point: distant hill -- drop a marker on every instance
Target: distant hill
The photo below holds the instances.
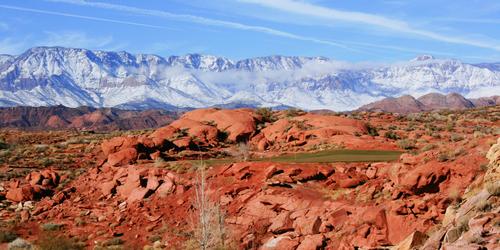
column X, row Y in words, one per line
column 429, row 102
column 82, row 118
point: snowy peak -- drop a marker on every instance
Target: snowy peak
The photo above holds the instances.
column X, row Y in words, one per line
column 202, row 62
column 44, row 76
column 423, row 58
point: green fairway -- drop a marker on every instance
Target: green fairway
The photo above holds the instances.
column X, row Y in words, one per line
column 344, row 155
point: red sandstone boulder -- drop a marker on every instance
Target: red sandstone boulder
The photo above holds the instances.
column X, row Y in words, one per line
column 118, row 143
column 239, row 123
column 312, row 242
column 163, row 133
column 25, row 193
column 137, row 194
column 122, row 157
column 425, row 178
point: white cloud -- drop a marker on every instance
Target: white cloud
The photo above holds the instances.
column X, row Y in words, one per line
column 304, row 8
column 203, row 21
column 11, row 46
column 75, row 39
column 83, row 17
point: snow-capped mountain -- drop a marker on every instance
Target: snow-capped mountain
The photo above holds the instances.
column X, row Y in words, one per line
column 45, row 76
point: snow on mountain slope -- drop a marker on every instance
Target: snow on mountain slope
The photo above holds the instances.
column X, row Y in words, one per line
column 74, row 77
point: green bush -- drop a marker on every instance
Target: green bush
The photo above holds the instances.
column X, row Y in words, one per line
column 266, row 114
column 371, row 129
column 391, row 135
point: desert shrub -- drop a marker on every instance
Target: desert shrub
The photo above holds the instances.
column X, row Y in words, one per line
column 406, row 144
column 456, row 137
column 293, row 112
column 4, row 153
column 53, row 242
column 51, row 227
column 463, row 224
column 266, row 114
column 483, row 167
column 454, row 195
column 243, row 151
column 445, row 156
column 210, row 123
column 428, row 147
column 450, row 126
column 371, row 129
column 40, row 148
column 493, row 188
column 7, row 236
column 483, row 206
column 153, row 238
column 45, row 162
column 209, row 231
column 391, row 135
column 3, row 145
column 113, row 242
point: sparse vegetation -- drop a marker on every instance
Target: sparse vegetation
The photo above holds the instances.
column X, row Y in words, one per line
column 493, row 188
column 266, row 114
column 293, row 112
column 406, row 144
column 428, row 147
column 456, row 137
column 57, row 242
column 51, row 227
column 391, row 135
column 209, row 229
column 3, row 145
column 243, row 151
column 7, row 236
column 371, row 130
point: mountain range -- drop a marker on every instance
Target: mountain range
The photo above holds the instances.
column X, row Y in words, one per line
column 429, row 102
column 48, row 76
column 82, row 118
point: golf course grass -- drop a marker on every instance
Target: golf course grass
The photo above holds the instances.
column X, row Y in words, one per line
column 344, row 155
column 327, row 156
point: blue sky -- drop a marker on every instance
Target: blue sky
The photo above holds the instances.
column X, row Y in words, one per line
column 348, row 30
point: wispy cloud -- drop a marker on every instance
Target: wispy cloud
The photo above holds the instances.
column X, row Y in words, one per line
column 76, row 39
column 11, row 46
column 203, row 21
column 309, row 9
column 54, row 13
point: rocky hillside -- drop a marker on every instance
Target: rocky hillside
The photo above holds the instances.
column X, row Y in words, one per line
column 82, row 118
column 429, row 102
column 151, row 190
column 45, row 76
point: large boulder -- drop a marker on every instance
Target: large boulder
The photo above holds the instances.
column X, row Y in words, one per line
column 19, row 194
column 240, row 124
column 116, row 144
column 123, row 157
column 425, row 178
